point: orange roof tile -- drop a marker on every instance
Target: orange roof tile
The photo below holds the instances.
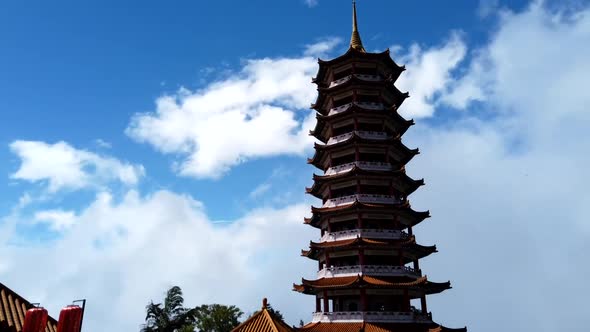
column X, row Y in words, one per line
column 375, row 327
column 263, row 321
column 374, row 281
column 308, row 286
column 12, row 312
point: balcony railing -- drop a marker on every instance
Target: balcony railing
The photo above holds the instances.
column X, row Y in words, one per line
column 363, row 77
column 339, row 109
column 362, row 198
column 340, row 81
column 372, row 316
column 363, row 134
column 374, row 270
column 363, row 104
column 366, row 77
column 369, row 233
column 371, row 105
column 366, row 165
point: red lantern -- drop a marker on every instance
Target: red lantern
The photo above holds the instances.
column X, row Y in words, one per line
column 35, row 320
column 70, row 319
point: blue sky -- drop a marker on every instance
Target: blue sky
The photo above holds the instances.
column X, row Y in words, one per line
column 147, row 136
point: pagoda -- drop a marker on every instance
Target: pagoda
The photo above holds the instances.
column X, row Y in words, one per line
column 367, row 256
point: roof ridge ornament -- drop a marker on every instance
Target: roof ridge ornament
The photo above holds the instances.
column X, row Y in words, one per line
column 355, row 39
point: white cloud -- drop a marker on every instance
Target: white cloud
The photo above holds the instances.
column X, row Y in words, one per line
column 207, row 128
column 58, row 220
column 249, row 115
column 428, row 74
column 322, row 47
column 64, row 167
column 122, row 254
column 260, row 190
column 102, row 143
column 311, row 3
column 503, row 185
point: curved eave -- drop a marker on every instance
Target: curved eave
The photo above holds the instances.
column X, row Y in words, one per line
column 355, row 207
column 321, row 149
column 362, row 242
column 320, row 181
column 422, row 283
column 352, row 53
column 410, row 247
column 427, row 287
column 356, row 138
column 398, row 96
column 357, row 111
column 354, row 80
column 375, row 327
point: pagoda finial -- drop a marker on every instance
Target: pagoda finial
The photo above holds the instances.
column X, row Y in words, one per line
column 264, row 303
column 355, row 39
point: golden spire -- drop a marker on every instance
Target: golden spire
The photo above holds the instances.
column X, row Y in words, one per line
column 355, row 39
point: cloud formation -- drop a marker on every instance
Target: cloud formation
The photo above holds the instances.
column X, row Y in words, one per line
column 130, row 251
column 429, row 75
column 506, row 184
column 62, row 166
column 58, row 220
column 207, row 127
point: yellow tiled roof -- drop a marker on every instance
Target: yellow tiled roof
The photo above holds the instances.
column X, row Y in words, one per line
column 12, row 312
column 263, row 321
column 375, row 327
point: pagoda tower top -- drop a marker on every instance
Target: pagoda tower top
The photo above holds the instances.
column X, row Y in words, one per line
column 355, row 39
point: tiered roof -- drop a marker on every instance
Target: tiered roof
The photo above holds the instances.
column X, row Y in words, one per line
column 263, row 321
column 407, row 215
column 12, row 312
column 409, row 246
column 400, row 179
column 363, row 281
column 353, row 110
column 376, row 327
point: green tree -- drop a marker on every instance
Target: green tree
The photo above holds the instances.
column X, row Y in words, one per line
column 172, row 317
column 217, row 318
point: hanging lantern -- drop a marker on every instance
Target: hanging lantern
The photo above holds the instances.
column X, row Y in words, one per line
column 35, row 320
column 70, row 319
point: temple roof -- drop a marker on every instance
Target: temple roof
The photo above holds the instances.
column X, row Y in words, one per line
column 375, row 327
column 405, row 211
column 409, row 246
column 12, row 312
column 353, row 54
column 365, row 242
column 263, row 321
column 357, row 79
column 405, row 184
column 399, row 124
column 359, row 281
column 393, row 145
column 386, row 91
column 357, row 204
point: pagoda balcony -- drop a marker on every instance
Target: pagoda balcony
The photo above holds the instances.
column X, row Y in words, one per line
column 361, row 198
column 364, row 77
column 366, row 165
column 372, row 316
column 362, row 134
column 373, row 270
column 390, row 234
column 363, row 104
